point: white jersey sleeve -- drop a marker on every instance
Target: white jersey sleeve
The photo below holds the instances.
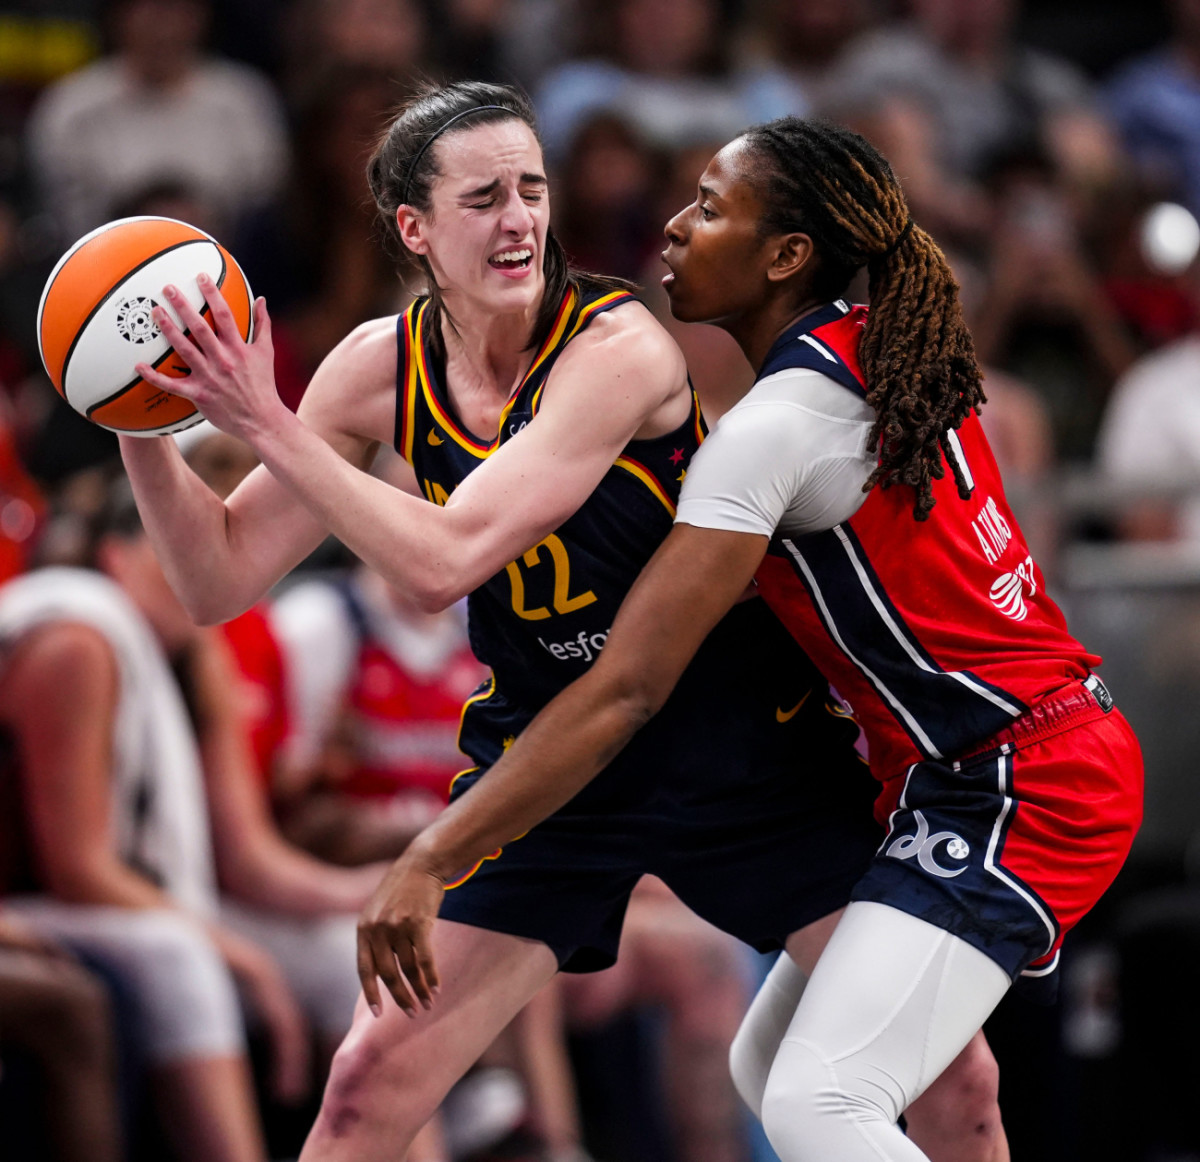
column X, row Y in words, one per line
column 793, row 455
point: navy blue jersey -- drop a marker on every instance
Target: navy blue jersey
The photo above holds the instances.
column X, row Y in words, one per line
column 542, row 620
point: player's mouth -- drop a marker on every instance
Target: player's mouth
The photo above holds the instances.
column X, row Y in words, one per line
column 514, row 261
column 668, row 279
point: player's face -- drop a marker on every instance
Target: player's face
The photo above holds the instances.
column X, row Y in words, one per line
column 485, row 234
column 716, row 254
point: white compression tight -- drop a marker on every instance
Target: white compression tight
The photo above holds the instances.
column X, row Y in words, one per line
column 892, row 1001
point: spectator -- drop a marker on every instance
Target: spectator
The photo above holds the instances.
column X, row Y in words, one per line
column 1150, row 441
column 1155, row 100
column 985, row 92
column 1044, row 316
column 342, row 37
column 606, row 208
column 119, row 801
column 57, row 1014
column 377, row 688
column 156, row 108
column 807, row 40
column 665, row 66
column 313, row 254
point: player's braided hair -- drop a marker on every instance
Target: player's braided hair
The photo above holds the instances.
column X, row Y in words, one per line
column 403, row 168
column 917, row 356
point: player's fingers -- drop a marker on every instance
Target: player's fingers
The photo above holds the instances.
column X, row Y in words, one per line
column 219, row 311
column 366, row 972
column 262, row 326
column 185, row 349
column 410, row 965
column 175, row 384
column 197, row 326
column 389, row 971
column 426, row 965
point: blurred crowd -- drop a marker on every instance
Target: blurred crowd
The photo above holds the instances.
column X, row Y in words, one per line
column 191, row 818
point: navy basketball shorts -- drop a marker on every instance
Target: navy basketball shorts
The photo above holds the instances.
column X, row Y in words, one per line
column 744, row 795
column 1009, row 848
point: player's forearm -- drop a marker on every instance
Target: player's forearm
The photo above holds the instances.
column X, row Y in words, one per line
column 554, row 758
column 186, row 523
column 409, row 541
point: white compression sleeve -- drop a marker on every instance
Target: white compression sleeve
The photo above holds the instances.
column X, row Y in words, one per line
column 892, row 1001
column 762, row 1029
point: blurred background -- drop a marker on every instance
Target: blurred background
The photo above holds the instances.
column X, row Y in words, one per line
column 1054, row 151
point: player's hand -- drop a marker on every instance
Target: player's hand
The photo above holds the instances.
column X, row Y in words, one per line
column 395, row 935
column 231, row 381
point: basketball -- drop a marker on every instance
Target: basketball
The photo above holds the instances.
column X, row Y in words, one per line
column 94, row 320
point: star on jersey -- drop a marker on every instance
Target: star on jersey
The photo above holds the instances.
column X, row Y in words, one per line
column 677, row 456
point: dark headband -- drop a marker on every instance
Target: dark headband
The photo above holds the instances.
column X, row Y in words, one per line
column 416, row 161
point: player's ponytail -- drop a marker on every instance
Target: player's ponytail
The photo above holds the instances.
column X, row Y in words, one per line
column 916, row 353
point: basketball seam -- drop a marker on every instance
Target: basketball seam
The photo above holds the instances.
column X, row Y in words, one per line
column 116, row 286
column 169, row 351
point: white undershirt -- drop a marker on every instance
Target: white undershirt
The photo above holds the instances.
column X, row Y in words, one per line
column 791, row 456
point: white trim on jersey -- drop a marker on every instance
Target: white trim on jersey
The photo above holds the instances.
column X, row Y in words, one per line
column 827, row 618
column 907, row 645
column 989, row 860
column 819, row 347
column 959, row 455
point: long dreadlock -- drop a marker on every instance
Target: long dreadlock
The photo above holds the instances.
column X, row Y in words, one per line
column 916, row 353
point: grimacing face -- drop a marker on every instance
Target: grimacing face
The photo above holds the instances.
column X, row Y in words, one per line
column 716, row 255
column 484, row 234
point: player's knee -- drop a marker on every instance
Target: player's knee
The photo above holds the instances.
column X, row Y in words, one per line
column 806, row 1094
column 747, row 1068
column 342, row 1108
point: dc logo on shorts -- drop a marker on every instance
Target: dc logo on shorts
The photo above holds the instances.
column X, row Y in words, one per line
column 924, row 847
column 134, row 320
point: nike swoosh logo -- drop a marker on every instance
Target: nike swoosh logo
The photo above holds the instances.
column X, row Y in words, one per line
column 434, row 438
column 782, row 715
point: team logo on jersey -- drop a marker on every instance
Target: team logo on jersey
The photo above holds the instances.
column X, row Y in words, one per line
column 1009, row 590
column 1008, row 596
column 134, row 320
column 923, row 847
column 433, row 438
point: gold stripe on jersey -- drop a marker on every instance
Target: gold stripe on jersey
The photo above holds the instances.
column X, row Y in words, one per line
column 443, row 417
column 648, row 479
column 408, row 397
column 585, row 314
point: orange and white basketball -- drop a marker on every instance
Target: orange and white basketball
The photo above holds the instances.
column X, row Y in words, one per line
column 94, row 321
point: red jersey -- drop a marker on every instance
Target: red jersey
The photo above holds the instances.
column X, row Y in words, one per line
column 263, row 694
column 938, row 633
column 404, row 725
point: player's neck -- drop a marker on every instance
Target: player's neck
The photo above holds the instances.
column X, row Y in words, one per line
column 488, row 351
column 757, row 331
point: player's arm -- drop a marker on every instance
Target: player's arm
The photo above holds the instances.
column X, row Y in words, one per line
column 623, row 374
column 690, row 583
column 222, row 556
column 58, row 699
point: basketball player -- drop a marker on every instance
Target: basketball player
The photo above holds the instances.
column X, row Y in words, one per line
column 550, row 421
column 855, row 484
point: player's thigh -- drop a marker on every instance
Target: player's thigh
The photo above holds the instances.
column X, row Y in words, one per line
column 894, row 997
column 487, row 978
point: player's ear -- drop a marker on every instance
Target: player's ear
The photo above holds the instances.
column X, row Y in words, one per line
column 792, row 254
column 411, row 224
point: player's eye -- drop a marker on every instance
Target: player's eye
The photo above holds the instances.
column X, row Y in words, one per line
column 706, row 213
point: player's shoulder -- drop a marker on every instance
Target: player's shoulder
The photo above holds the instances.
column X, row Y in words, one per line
column 355, row 385
column 628, row 338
